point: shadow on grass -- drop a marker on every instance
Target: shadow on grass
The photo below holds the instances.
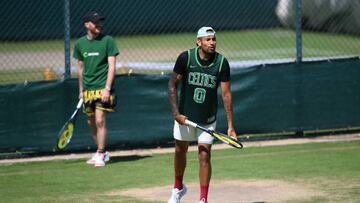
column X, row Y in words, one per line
column 116, row 159
column 113, row 159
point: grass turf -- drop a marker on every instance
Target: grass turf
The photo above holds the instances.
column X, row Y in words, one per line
column 331, row 167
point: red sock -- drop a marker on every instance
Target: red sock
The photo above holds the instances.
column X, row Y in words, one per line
column 178, row 182
column 204, row 192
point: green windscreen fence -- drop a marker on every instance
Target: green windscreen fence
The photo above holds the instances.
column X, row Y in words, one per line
column 266, row 98
column 297, row 97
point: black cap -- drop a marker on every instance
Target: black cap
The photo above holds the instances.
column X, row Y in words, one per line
column 93, row 17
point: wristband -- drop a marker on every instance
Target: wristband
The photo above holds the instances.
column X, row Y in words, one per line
column 107, row 88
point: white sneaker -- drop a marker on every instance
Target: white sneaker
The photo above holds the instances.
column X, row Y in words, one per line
column 99, row 160
column 177, row 194
column 202, row 200
column 93, row 158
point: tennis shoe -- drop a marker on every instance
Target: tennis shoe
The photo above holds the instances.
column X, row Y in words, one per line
column 203, row 200
column 177, row 194
column 99, row 160
column 92, row 160
column 106, row 158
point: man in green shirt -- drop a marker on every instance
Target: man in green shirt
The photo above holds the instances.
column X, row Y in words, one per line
column 96, row 54
column 201, row 71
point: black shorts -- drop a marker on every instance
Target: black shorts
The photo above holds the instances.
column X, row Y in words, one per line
column 92, row 101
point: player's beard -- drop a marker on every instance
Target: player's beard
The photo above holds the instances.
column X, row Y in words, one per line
column 210, row 49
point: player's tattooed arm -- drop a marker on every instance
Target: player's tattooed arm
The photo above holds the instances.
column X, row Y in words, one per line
column 172, row 94
column 227, row 98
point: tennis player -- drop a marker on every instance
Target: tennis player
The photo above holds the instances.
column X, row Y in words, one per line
column 96, row 54
column 201, row 71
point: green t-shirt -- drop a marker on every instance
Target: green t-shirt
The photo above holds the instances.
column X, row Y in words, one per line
column 94, row 54
column 198, row 96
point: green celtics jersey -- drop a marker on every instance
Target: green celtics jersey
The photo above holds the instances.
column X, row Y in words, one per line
column 94, row 53
column 198, row 96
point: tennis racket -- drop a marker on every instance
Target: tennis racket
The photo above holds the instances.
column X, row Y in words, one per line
column 67, row 130
column 220, row 136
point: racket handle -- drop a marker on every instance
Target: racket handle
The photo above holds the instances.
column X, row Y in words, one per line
column 190, row 123
column 79, row 103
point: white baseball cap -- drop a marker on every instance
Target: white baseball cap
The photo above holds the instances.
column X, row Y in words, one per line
column 205, row 32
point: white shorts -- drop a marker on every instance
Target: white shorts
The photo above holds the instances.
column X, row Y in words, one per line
column 188, row 133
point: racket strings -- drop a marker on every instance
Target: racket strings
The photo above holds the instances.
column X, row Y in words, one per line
column 65, row 136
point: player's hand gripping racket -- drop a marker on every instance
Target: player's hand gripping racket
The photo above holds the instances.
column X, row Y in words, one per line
column 220, row 136
column 67, row 130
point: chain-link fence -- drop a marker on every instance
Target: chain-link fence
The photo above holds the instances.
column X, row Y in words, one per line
column 151, row 34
